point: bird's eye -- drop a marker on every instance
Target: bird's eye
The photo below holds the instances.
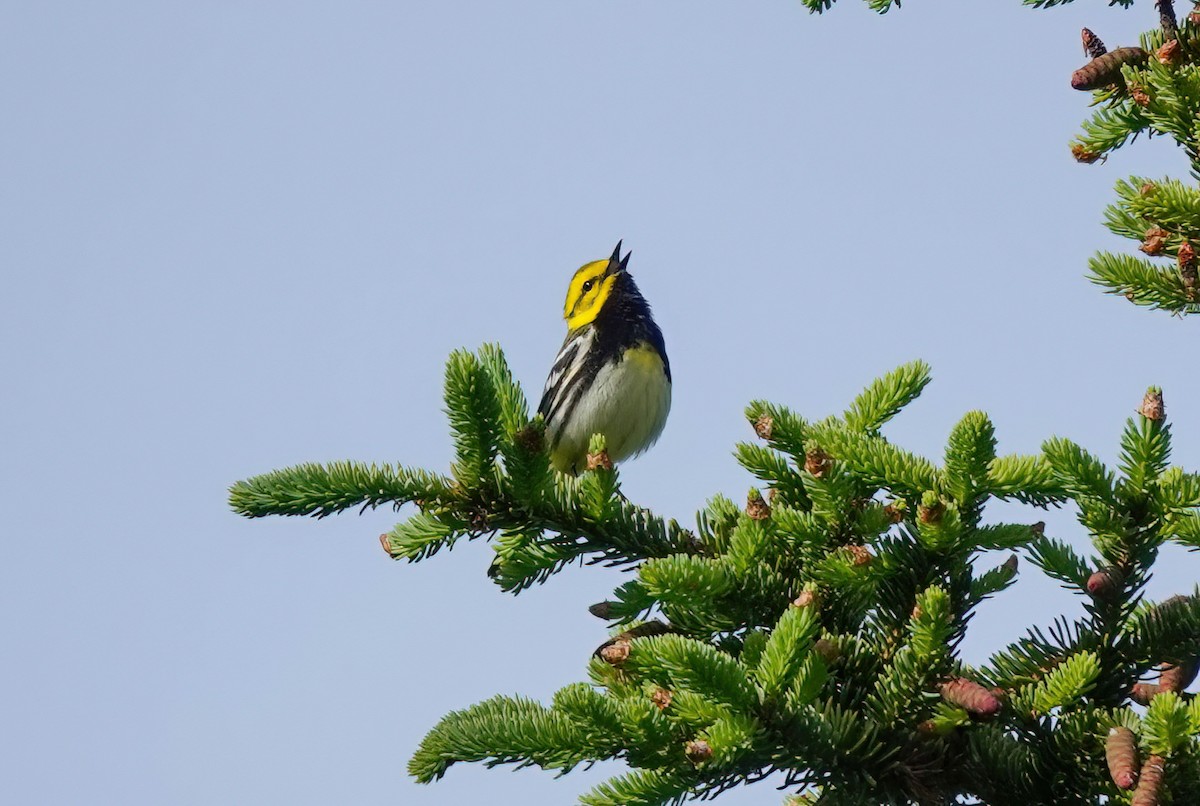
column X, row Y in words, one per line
column 588, row 286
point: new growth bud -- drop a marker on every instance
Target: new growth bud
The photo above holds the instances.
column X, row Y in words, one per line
column 1170, row 53
column 860, row 555
column 931, row 513
column 697, row 751
column 807, row 598
column 827, row 650
column 1187, row 265
column 1155, row 241
column 615, row 653
column 1153, row 407
column 599, row 461
column 529, row 439
column 817, row 462
column 756, row 508
column 764, row 426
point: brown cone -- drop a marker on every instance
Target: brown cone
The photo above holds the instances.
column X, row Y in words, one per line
column 1106, row 69
column 971, row 696
column 1120, row 750
column 1143, row 693
column 1104, row 584
column 1177, row 677
column 1150, row 782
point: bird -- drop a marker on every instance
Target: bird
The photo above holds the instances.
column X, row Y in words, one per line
column 611, row 375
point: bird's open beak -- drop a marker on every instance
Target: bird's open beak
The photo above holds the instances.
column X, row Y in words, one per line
column 617, row 264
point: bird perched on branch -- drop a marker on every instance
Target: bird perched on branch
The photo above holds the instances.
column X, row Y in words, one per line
column 611, row 375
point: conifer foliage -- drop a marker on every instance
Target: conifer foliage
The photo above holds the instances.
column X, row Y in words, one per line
column 1152, row 88
column 812, row 632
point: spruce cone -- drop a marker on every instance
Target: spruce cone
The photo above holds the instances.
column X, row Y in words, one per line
column 1106, row 69
column 971, row 696
column 1150, row 783
column 1176, row 677
column 1104, row 584
column 1120, row 749
column 1167, row 19
column 1143, row 693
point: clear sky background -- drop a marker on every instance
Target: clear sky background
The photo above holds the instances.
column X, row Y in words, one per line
column 240, row 236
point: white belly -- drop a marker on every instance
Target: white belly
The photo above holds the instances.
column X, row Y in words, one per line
column 627, row 403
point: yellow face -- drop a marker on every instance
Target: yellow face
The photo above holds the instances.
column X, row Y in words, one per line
column 589, row 290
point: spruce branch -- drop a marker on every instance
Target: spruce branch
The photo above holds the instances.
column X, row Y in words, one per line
column 503, row 730
column 813, row 631
column 321, row 490
column 883, row 399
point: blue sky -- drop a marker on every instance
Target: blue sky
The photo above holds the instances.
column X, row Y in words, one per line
column 241, row 236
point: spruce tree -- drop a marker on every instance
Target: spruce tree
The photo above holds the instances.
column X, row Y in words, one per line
column 811, row 632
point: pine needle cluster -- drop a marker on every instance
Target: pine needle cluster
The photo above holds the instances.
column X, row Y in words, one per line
column 812, row 632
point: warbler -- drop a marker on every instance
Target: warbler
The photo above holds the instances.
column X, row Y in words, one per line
column 611, row 376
